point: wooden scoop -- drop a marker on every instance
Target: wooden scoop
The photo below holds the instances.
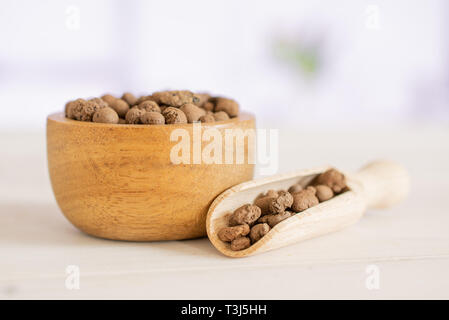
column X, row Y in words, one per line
column 379, row 184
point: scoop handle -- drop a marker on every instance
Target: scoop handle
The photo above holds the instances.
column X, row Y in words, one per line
column 384, row 183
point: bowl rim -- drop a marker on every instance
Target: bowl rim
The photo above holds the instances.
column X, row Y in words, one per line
column 61, row 118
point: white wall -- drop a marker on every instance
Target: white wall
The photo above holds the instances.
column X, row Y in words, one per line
column 393, row 73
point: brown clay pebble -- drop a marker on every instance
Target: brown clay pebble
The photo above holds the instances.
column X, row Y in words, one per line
column 192, row 112
column 274, row 219
column 100, row 102
column 263, row 219
column 174, row 115
column 129, row 98
column 149, row 106
column 304, row 199
column 274, row 201
column 229, row 106
column 311, row 189
column 120, row 106
column 272, row 193
column 258, row 231
column 240, row 243
column 133, row 116
column 69, row 109
column 221, row 116
column 202, row 99
column 246, row 214
column 323, row 192
column 84, row 110
column 264, row 203
column 109, row 99
column 284, row 200
column 105, row 115
column 73, row 109
column 209, row 106
column 269, row 193
column 333, row 179
column 228, row 234
column 295, row 188
column 175, row 98
column 121, row 121
column 152, row 118
column 209, row 117
column 144, row 98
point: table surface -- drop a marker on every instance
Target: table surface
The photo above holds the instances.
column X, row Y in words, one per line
column 402, row 252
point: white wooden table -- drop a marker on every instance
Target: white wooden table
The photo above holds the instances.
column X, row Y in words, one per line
column 407, row 246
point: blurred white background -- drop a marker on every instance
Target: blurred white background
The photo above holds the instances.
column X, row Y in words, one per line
column 307, row 63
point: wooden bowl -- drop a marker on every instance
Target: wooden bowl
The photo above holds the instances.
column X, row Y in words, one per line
column 118, row 182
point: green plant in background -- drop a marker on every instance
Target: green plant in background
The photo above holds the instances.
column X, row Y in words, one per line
column 304, row 58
